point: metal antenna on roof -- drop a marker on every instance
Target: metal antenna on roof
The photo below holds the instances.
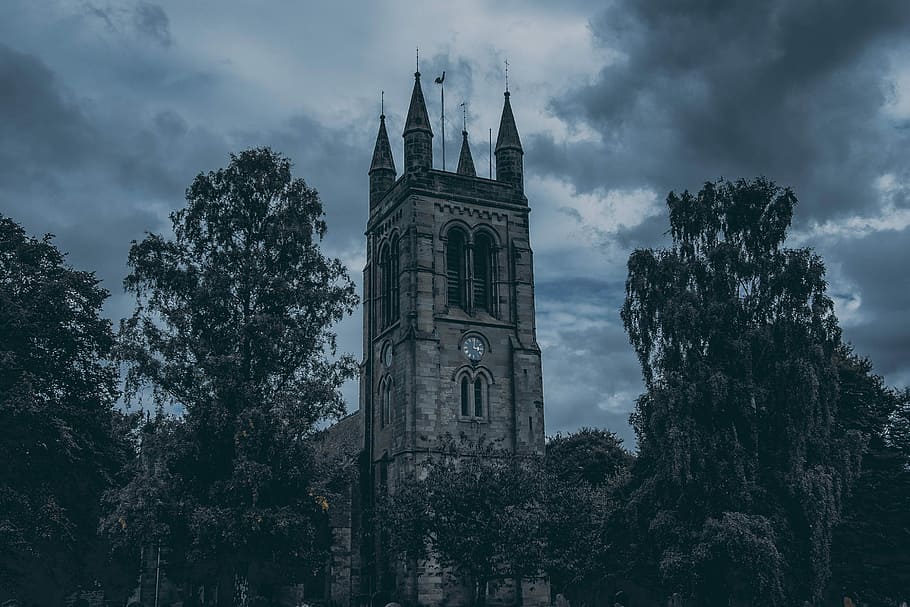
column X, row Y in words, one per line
column 491, row 153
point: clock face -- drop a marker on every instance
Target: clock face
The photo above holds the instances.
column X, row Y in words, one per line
column 473, row 349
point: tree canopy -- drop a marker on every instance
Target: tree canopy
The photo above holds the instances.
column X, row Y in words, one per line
column 742, row 472
column 233, row 330
column 478, row 511
column 591, row 455
column 61, row 442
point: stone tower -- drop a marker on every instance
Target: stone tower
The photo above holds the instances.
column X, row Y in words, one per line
column 449, row 335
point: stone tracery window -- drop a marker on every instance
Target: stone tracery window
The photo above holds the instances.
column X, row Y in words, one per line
column 385, row 404
column 475, row 396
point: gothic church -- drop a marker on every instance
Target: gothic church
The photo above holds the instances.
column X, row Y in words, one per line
column 449, row 343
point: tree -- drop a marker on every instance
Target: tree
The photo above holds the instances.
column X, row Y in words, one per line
column 478, row 511
column 590, row 455
column 742, row 474
column 232, row 327
column 61, row 442
column 869, row 556
column 586, row 474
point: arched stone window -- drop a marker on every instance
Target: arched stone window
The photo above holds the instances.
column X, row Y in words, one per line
column 483, row 273
column 383, row 280
column 385, row 404
column 388, row 283
column 455, row 268
column 475, row 395
column 479, row 388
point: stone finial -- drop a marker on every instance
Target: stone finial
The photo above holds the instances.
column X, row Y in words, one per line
column 509, row 162
column 418, row 136
column 465, row 161
column 382, row 169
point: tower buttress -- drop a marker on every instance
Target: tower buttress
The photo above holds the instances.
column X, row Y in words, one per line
column 418, row 136
column 509, row 163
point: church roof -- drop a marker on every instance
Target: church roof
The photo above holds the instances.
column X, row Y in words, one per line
column 508, row 132
column 382, row 153
column 418, row 119
column 339, row 444
column 465, row 161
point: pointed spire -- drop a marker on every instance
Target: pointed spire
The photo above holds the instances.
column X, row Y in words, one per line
column 382, row 152
column 508, row 132
column 465, row 162
column 418, row 118
column 382, row 169
column 418, row 136
column 509, row 163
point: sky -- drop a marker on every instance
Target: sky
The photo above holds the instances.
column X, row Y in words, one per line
column 108, row 109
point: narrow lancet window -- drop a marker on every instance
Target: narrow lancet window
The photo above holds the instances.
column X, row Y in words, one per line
column 483, row 273
column 455, row 268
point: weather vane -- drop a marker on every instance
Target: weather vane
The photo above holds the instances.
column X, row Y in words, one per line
column 464, row 116
column 507, row 75
column 382, row 103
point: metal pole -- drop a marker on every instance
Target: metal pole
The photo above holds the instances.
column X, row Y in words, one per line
column 491, row 153
column 157, row 574
column 442, row 94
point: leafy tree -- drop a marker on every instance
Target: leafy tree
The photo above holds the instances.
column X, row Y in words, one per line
column 742, row 470
column 478, row 511
column 870, row 560
column 61, row 442
column 590, row 455
column 232, row 328
column 587, row 471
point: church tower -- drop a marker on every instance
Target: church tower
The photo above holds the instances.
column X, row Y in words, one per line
column 449, row 335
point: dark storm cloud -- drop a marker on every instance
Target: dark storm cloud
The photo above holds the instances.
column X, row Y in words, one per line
column 792, row 90
column 99, row 173
column 41, row 123
column 144, row 18
column 697, row 90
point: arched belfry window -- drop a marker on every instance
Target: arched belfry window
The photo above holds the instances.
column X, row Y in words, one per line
column 385, row 404
column 388, row 283
column 483, row 273
column 383, row 279
column 475, row 396
column 455, row 268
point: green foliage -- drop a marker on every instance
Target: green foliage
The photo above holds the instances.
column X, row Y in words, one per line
column 479, row 510
column 869, row 559
column 586, row 472
column 591, row 455
column 61, row 442
column 232, row 327
column 738, row 345
column 489, row 514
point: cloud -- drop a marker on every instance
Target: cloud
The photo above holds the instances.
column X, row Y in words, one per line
column 143, row 18
column 814, row 96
